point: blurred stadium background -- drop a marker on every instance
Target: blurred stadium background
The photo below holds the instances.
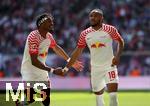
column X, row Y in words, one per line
column 131, row 17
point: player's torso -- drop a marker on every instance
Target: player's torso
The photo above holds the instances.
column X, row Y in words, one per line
column 100, row 45
column 42, row 53
column 43, row 50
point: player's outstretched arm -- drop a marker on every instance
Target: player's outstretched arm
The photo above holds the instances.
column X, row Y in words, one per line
column 76, row 53
column 59, row 51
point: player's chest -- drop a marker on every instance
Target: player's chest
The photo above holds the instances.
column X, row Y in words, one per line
column 98, row 36
column 44, row 45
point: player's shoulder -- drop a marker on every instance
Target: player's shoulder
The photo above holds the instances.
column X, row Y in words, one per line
column 33, row 35
column 87, row 30
column 108, row 26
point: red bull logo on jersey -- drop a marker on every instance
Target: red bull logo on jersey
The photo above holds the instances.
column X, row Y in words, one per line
column 98, row 45
column 43, row 54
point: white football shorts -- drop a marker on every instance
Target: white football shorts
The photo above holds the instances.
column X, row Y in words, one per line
column 100, row 77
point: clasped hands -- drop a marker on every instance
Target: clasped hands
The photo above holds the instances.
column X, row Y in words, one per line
column 62, row 71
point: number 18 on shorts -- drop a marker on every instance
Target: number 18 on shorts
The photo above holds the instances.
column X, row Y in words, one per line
column 101, row 77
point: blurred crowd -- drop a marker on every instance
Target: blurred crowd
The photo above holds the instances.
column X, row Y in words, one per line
column 131, row 17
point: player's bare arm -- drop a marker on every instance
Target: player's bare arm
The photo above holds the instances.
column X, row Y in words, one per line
column 40, row 65
column 76, row 53
column 120, row 47
column 59, row 51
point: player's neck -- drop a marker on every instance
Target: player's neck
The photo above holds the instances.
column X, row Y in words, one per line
column 42, row 33
column 97, row 27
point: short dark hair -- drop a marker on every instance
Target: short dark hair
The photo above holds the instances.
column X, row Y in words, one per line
column 41, row 18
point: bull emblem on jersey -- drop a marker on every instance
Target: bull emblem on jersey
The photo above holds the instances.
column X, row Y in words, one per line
column 43, row 54
column 98, row 45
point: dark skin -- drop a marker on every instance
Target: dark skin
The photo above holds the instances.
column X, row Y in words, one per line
column 45, row 27
column 96, row 20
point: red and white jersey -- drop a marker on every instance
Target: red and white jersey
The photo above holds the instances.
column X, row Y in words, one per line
column 36, row 44
column 99, row 43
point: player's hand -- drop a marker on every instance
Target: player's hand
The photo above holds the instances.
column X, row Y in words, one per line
column 59, row 71
column 78, row 66
column 115, row 61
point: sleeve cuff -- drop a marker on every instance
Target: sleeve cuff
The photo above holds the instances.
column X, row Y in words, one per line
column 81, row 46
column 52, row 46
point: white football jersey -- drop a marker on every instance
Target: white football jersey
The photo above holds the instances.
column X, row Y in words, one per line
column 36, row 44
column 99, row 43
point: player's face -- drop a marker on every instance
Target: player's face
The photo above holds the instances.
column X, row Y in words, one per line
column 48, row 25
column 95, row 18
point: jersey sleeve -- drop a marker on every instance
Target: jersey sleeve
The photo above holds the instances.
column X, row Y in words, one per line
column 33, row 44
column 53, row 42
column 81, row 42
column 115, row 34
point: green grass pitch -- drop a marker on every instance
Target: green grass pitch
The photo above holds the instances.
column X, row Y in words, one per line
column 88, row 99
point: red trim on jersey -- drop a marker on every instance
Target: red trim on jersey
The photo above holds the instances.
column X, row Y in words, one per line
column 33, row 43
column 33, row 52
column 81, row 42
column 43, row 54
column 112, row 31
column 53, row 42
